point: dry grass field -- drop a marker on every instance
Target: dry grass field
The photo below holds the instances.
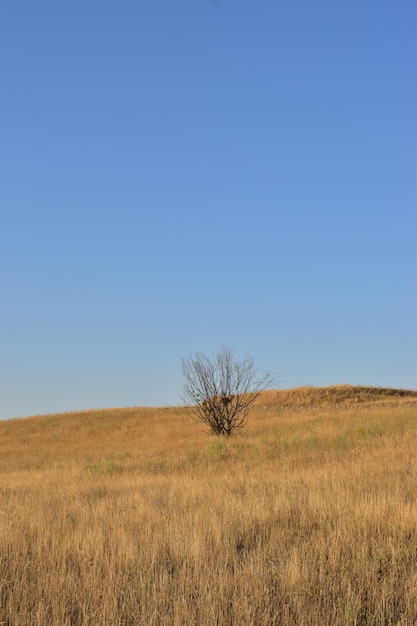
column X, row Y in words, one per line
column 139, row 517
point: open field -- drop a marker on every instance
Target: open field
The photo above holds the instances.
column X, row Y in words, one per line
column 138, row 517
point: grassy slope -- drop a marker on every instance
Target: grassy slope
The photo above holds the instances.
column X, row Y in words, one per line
column 347, row 395
column 137, row 516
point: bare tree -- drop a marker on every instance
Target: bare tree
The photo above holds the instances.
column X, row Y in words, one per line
column 220, row 390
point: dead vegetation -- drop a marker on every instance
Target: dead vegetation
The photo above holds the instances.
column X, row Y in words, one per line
column 335, row 396
column 136, row 516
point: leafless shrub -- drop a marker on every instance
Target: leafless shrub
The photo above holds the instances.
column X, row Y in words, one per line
column 220, row 390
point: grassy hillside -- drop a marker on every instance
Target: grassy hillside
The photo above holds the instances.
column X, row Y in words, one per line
column 138, row 516
column 338, row 395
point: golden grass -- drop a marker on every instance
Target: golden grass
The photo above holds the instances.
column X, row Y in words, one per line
column 137, row 516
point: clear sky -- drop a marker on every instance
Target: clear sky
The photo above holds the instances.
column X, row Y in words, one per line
column 185, row 175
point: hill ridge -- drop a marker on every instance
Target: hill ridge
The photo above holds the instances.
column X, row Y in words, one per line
column 302, row 397
column 308, row 396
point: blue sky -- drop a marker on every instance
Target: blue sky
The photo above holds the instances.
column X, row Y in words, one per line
column 180, row 176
